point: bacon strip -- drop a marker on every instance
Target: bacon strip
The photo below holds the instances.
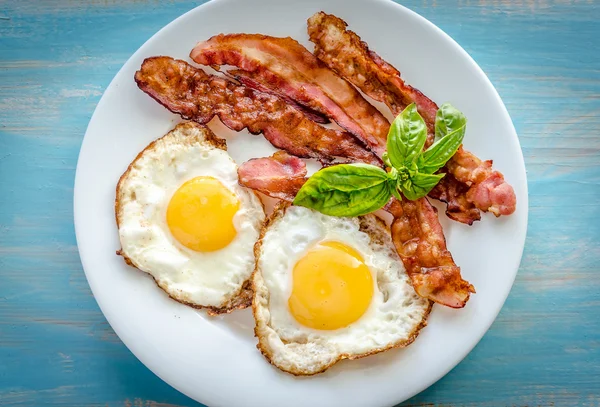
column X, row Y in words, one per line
column 280, row 176
column 454, row 194
column 247, row 80
column 287, row 68
column 420, row 242
column 488, row 190
column 343, row 51
column 196, row 95
column 416, row 230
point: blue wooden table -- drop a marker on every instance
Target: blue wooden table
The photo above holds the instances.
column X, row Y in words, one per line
column 57, row 57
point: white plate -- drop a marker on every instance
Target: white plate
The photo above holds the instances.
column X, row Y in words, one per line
column 214, row 360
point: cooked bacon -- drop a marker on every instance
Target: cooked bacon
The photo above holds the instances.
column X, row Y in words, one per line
column 285, row 67
column 488, row 189
column 343, row 51
column 454, row 194
column 279, row 176
column 420, row 242
column 196, row 95
column 493, row 194
column 416, row 230
column 247, row 80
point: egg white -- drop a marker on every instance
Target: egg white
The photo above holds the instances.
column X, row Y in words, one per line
column 393, row 319
column 203, row 279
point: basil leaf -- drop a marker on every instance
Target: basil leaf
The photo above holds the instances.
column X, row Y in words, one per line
column 349, row 177
column 451, row 125
column 436, row 156
column 396, row 192
column 406, row 137
column 447, row 120
column 419, row 185
column 346, row 190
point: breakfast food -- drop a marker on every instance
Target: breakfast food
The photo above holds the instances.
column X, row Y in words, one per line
column 184, row 219
column 330, row 288
column 195, row 95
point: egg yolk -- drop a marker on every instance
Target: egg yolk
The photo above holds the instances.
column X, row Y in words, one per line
column 332, row 287
column 200, row 214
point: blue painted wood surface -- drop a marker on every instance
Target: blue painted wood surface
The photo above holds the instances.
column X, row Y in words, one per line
column 57, row 57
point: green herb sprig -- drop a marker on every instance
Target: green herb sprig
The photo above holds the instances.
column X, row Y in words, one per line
column 358, row 189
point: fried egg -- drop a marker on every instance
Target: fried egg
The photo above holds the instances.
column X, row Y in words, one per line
column 330, row 288
column 184, row 219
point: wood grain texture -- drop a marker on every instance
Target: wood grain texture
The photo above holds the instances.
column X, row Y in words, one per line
column 56, row 59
